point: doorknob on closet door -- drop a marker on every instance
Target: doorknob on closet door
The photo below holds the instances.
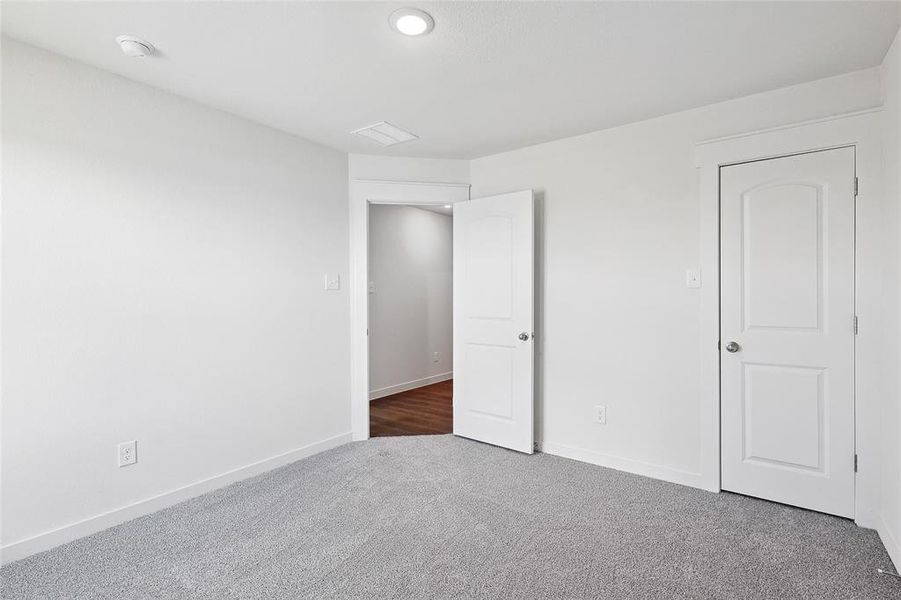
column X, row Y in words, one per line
column 524, row 336
column 732, row 347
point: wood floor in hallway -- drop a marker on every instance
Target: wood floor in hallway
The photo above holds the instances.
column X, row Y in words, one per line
column 423, row 411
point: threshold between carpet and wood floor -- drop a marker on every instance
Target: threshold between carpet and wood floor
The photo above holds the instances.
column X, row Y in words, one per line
column 442, row 517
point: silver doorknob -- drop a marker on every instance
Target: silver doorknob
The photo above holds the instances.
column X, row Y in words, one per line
column 524, row 336
column 732, row 347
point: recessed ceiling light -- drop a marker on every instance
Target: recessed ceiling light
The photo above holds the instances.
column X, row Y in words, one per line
column 447, row 206
column 134, row 47
column 411, row 21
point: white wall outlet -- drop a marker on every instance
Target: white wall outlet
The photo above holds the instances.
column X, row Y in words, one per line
column 600, row 414
column 128, row 453
column 435, row 357
column 693, row 278
column 332, row 282
column 371, row 287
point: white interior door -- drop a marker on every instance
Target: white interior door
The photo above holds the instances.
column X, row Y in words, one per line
column 493, row 320
column 787, row 337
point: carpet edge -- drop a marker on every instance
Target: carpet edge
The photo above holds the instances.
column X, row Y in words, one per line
column 50, row 539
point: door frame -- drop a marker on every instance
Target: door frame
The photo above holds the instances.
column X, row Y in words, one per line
column 860, row 130
column 364, row 192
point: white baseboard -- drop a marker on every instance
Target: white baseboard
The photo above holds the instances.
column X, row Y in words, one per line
column 867, row 519
column 410, row 385
column 891, row 543
column 628, row 465
column 50, row 539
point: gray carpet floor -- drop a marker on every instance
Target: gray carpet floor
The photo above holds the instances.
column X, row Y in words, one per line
column 441, row 517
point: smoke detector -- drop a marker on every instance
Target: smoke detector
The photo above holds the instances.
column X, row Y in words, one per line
column 134, row 47
column 386, row 134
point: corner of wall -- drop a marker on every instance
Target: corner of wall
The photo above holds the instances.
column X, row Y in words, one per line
column 889, row 519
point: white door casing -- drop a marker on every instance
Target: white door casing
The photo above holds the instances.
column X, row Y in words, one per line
column 787, row 301
column 493, row 320
column 362, row 194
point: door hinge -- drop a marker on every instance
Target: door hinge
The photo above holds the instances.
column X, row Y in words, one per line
column 856, row 185
column 855, row 325
column 855, row 463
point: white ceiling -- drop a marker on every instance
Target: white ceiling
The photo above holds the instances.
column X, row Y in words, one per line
column 441, row 209
column 492, row 76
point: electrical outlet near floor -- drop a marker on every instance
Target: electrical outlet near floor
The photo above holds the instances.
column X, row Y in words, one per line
column 435, row 357
column 600, row 414
column 128, row 453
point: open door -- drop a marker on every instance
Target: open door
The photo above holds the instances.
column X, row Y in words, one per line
column 493, row 320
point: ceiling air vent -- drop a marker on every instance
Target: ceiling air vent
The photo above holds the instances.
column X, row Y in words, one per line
column 386, row 134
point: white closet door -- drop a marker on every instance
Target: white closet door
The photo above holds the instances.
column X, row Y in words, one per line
column 787, row 337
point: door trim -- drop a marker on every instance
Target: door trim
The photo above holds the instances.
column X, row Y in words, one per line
column 364, row 192
column 860, row 130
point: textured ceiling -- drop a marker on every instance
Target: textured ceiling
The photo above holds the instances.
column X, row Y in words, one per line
column 492, row 76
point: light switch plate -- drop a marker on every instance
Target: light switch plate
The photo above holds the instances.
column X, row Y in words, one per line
column 693, row 278
column 332, row 282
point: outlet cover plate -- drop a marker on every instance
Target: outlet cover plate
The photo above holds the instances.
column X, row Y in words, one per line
column 128, row 453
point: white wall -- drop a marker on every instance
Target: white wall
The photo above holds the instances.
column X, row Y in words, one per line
column 618, row 226
column 890, row 530
column 398, row 168
column 163, row 280
column 411, row 309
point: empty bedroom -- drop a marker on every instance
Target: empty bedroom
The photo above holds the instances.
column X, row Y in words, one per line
column 437, row 300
